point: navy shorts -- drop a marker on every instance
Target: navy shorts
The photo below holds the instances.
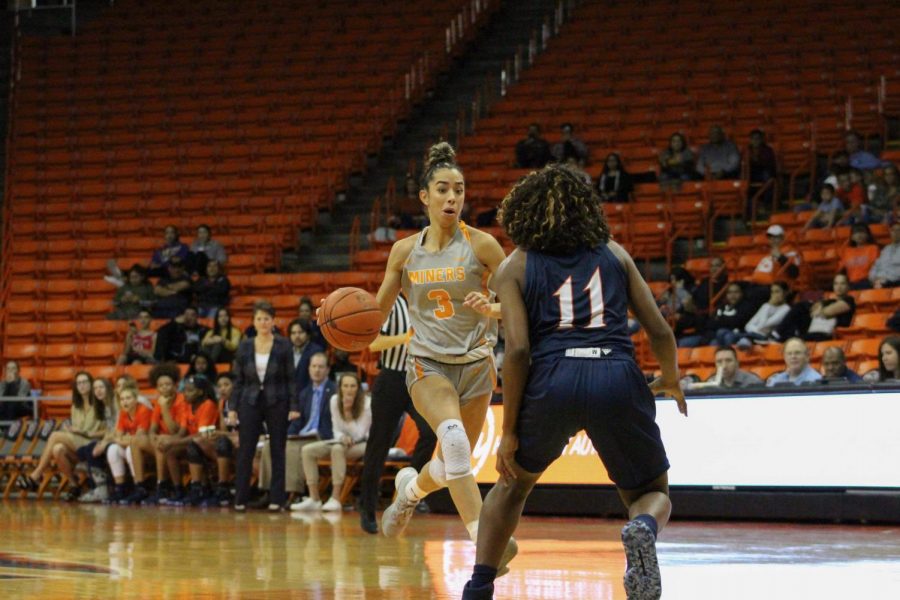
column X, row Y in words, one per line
column 609, row 399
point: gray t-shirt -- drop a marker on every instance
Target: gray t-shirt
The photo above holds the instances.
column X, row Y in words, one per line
column 741, row 379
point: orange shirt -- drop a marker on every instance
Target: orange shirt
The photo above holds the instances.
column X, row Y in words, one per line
column 140, row 422
column 857, row 260
column 203, row 416
column 178, row 408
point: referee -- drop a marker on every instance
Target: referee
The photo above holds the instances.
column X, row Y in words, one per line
column 390, row 399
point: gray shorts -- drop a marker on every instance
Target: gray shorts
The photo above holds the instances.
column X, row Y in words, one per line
column 470, row 380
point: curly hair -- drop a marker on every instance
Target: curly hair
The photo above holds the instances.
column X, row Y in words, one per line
column 169, row 370
column 439, row 156
column 555, row 212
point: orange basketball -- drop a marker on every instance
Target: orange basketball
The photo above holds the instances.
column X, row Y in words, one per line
column 350, row 319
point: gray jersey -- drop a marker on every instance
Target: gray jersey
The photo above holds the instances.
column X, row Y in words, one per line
column 436, row 285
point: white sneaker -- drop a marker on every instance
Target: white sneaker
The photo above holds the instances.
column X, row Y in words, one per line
column 98, row 494
column 397, row 516
column 332, row 505
column 307, row 504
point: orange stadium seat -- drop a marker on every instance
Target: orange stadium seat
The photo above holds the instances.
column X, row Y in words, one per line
column 863, row 349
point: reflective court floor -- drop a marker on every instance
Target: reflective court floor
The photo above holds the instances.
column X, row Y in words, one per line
column 55, row 550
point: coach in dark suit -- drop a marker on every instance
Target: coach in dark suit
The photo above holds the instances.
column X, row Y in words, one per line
column 263, row 390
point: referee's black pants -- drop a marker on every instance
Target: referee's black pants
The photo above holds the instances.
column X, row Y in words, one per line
column 390, row 399
column 252, row 417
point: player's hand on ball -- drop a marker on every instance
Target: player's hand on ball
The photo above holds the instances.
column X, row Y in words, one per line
column 670, row 388
column 506, row 457
column 478, row 302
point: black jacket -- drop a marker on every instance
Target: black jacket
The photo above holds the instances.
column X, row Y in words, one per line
column 278, row 385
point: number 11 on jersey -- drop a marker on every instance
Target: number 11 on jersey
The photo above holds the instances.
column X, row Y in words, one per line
column 567, row 302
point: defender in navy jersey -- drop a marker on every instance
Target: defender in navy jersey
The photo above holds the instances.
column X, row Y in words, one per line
column 569, row 365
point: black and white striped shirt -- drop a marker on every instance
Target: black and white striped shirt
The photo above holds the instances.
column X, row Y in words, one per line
column 397, row 324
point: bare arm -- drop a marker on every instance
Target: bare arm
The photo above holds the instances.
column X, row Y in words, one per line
column 383, row 342
column 390, row 285
column 490, row 253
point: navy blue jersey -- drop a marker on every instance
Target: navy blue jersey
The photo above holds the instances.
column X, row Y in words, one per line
column 577, row 301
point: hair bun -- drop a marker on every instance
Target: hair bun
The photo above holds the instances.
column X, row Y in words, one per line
column 440, row 153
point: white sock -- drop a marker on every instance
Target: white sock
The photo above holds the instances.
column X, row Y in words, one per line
column 414, row 492
column 472, row 528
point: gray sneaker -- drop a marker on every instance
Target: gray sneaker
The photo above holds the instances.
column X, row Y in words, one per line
column 398, row 514
column 98, row 494
column 642, row 578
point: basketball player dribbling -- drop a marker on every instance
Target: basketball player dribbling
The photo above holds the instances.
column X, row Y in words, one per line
column 443, row 272
column 569, row 366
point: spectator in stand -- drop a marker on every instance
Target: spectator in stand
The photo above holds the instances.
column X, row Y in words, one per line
column 14, row 386
column 796, row 362
column 533, row 152
column 140, row 342
column 351, row 414
column 133, row 417
column 891, row 182
column 834, row 367
column 717, row 280
column 201, row 414
column 166, row 423
column 676, row 301
column 205, row 249
column 614, row 183
column 780, row 262
column 879, row 204
column 828, row 211
column 569, row 145
column 761, row 156
column 839, row 165
column 859, row 158
column 222, row 341
column 854, row 197
column 341, row 363
column 127, row 380
column 728, row 374
column 201, row 367
column 87, row 422
column 212, row 290
column 726, row 325
column 306, row 314
column 888, row 362
column 858, row 258
column 135, row 295
column 886, row 270
column 179, row 339
column 720, row 158
column 304, row 349
column 173, row 291
column 816, row 320
column 676, row 163
column 171, row 248
column 226, row 443
column 768, row 317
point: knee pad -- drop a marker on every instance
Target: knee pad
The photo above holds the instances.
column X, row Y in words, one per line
column 456, row 449
column 437, row 471
column 224, row 447
column 195, row 454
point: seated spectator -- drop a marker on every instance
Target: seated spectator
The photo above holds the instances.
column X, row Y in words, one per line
column 140, row 342
column 834, row 366
column 304, row 348
column 858, row 258
column 87, row 422
column 212, row 290
column 676, row 163
column 569, row 145
column 761, row 157
column 891, row 190
column 728, row 322
column 854, row 196
column 768, row 317
column 408, row 211
column 179, row 339
column 173, row 291
column 222, row 341
column 133, row 417
column 133, row 296
column 306, row 313
column 817, row 320
column 167, row 425
column 201, row 414
column 781, row 262
column 886, row 270
column 828, row 211
column 728, row 374
column 97, row 468
column 205, row 249
column 888, row 362
column 14, row 386
column 859, row 158
column 677, row 302
column 171, row 248
column 614, row 183
column 720, row 158
column 127, row 380
column 351, row 415
column 717, row 279
column 879, row 203
column 226, row 444
column 838, row 166
column 796, row 362
column 341, row 363
column 532, row 152
column 201, row 367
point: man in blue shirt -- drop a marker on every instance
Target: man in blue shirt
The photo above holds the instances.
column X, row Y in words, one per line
column 796, row 361
column 859, row 158
column 834, row 366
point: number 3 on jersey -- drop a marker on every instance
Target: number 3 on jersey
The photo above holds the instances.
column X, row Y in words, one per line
column 594, row 288
column 445, row 305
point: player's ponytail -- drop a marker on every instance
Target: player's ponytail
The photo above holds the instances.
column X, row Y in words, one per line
column 439, row 156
